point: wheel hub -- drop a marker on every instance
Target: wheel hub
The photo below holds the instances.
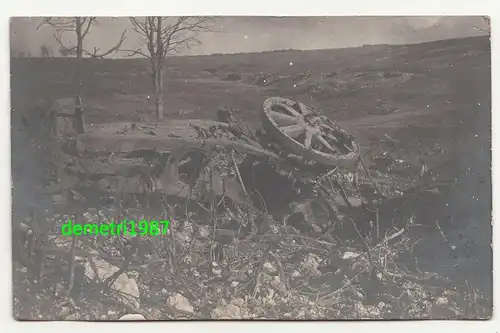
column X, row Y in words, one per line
column 308, row 125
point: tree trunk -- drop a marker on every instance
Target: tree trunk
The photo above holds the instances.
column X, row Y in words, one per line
column 159, row 70
column 159, row 93
column 78, row 122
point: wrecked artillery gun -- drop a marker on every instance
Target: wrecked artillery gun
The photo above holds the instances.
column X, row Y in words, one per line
column 298, row 160
column 297, row 151
column 296, row 143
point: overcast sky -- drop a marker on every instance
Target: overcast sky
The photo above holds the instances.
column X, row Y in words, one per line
column 254, row 34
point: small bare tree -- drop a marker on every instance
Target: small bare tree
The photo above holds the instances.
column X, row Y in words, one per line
column 161, row 36
column 46, row 51
column 79, row 27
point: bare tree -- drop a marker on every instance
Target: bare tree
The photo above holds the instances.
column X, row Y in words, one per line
column 161, row 36
column 46, row 51
column 79, row 27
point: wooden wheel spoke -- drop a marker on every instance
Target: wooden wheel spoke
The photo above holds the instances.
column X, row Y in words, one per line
column 325, row 126
column 332, row 137
column 282, row 119
column 303, row 109
column 308, row 139
column 293, row 130
column 325, row 143
column 288, row 109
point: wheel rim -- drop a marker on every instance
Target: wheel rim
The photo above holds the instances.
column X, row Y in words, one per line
column 307, row 129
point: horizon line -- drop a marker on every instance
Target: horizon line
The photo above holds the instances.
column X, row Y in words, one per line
column 260, row 52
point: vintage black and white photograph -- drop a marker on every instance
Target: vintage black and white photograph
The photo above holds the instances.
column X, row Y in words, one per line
column 251, row 168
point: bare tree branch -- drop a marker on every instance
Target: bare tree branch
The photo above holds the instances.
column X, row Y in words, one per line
column 180, row 34
column 132, row 53
column 58, row 38
column 95, row 53
column 62, row 25
column 67, row 24
column 92, row 20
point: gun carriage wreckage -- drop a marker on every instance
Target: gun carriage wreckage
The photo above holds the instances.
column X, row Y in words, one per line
column 298, row 168
column 194, row 157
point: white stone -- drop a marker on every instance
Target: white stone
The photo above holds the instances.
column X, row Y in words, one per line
column 132, row 316
column 179, row 302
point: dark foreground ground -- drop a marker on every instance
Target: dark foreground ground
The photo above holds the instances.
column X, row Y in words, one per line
column 411, row 104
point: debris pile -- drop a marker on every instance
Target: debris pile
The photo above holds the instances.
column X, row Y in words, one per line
column 253, row 219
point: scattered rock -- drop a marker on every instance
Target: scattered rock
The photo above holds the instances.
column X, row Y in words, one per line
column 229, row 311
column 350, row 255
column 132, row 316
column 72, row 316
column 65, row 312
column 441, row 301
column 238, row 302
column 367, row 312
column 355, row 202
column 126, row 288
column 268, row 268
column 181, row 303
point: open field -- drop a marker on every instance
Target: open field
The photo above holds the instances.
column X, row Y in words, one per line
column 408, row 106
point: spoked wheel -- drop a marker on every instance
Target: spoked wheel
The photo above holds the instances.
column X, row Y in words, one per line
column 305, row 132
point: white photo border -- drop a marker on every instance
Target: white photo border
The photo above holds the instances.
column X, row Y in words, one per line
column 242, row 8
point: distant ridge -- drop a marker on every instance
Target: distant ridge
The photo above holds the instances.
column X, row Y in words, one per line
column 374, row 46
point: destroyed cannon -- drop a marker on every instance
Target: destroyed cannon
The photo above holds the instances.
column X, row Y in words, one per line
column 125, row 159
column 208, row 165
